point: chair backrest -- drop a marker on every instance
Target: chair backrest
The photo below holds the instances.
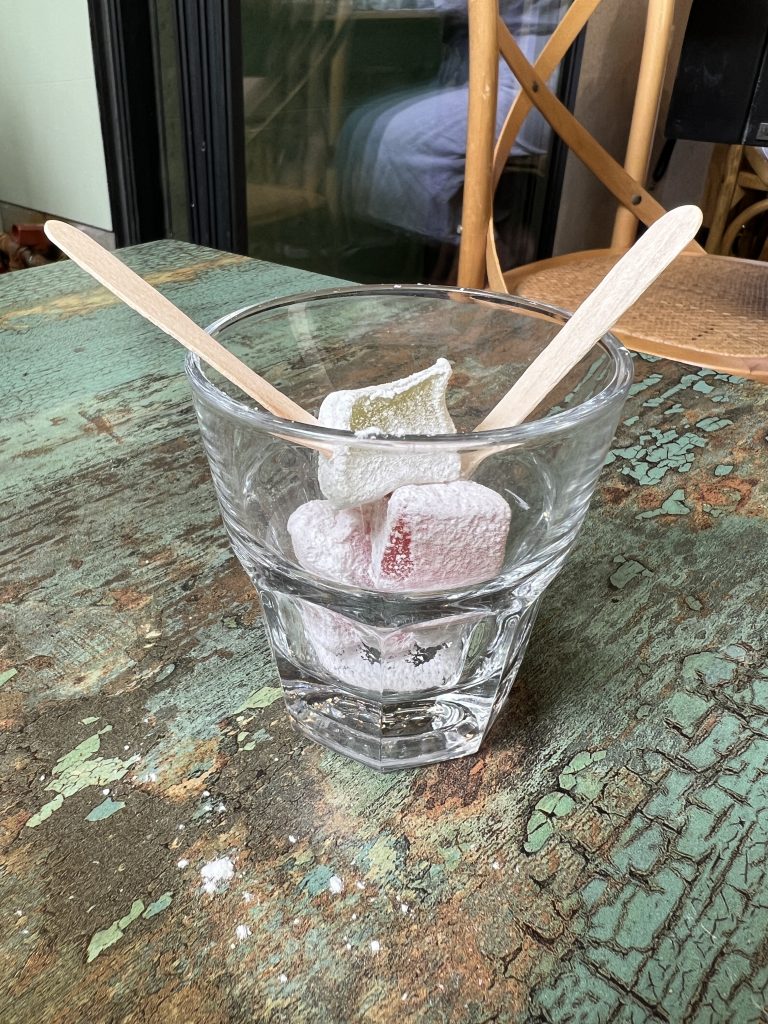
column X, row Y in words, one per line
column 489, row 37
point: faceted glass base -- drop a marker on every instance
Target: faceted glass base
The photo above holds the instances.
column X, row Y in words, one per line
column 357, row 713
column 389, row 739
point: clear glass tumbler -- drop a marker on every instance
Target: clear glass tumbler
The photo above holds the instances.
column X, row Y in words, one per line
column 401, row 679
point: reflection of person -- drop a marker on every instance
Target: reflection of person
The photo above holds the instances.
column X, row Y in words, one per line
column 401, row 157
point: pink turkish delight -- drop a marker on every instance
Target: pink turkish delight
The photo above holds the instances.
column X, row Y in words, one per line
column 428, row 656
column 332, row 543
column 429, row 536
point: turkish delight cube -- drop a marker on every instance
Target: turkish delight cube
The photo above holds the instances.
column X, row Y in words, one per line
column 332, row 543
column 412, row 405
column 432, row 536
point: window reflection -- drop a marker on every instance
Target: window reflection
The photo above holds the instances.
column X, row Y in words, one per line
column 355, row 120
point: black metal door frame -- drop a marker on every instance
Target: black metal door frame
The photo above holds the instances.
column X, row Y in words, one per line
column 125, row 83
column 567, row 87
column 211, row 71
column 131, row 102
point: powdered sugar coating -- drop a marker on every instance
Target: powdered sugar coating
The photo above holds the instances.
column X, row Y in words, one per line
column 439, row 535
column 411, row 405
column 216, row 873
column 332, row 543
column 407, row 660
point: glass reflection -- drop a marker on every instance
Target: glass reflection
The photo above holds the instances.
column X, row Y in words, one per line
column 355, row 120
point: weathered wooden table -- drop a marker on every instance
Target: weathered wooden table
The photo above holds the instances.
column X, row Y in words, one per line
column 173, row 851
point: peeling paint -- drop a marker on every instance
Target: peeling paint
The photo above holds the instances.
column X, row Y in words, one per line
column 674, row 505
column 105, row 809
column 107, row 937
column 261, row 698
column 78, row 770
column 160, row 904
column 628, row 570
column 642, row 385
column 713, row 423
column 656, row 453
column 7, row 675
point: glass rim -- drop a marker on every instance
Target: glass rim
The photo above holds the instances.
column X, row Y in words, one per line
column 530, row 429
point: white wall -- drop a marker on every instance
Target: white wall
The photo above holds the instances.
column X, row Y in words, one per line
column 51, row 151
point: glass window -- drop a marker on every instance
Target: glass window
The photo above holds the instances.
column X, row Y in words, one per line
column 355, row 125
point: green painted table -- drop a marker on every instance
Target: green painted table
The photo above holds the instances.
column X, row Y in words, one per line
column 173, row 851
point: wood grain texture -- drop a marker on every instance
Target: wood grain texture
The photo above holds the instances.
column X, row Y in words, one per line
column 650, row 81
column 603, row 858
column 110, row 271
column 722, row 186
column 481, row 127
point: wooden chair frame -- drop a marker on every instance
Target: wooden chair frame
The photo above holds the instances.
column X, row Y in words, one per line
column 489, row 36
column 705, row 310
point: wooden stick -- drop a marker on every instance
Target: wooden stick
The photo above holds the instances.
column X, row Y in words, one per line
column 141, row 296
column 621, row 287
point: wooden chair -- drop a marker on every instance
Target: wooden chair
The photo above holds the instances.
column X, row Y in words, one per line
column 706, row 310
column 736, row 202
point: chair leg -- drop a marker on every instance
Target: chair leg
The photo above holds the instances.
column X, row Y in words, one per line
column 721, row 193
column 740, row 222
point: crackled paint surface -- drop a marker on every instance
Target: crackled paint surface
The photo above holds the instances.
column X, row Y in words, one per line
column 603, row 859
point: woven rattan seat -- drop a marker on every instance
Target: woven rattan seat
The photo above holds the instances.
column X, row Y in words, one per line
column 710, row 311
